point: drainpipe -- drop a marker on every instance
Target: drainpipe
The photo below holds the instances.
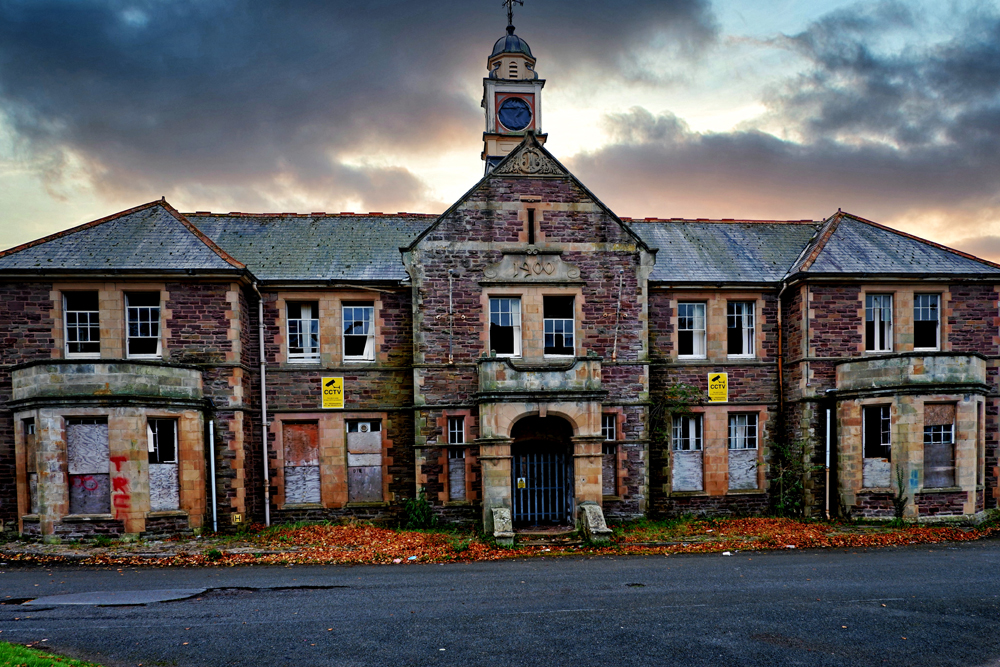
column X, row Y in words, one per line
column 211, row 463
column 263, row 405
column 827, row 483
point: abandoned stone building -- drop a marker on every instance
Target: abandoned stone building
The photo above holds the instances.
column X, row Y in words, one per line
column 521, row 358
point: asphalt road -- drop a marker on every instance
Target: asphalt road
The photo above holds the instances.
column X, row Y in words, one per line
column 927, row 605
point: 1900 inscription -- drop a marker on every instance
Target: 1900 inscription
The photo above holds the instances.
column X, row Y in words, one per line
column 532, row 267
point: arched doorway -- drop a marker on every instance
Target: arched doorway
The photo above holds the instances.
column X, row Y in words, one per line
column 542, row 472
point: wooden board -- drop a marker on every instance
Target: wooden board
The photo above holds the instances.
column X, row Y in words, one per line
column 688, row 471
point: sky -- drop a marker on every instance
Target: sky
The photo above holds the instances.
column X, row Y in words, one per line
column 745, row 109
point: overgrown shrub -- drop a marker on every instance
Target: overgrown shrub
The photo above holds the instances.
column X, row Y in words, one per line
column 419, row 513
column 789, row 468
column 899, row 499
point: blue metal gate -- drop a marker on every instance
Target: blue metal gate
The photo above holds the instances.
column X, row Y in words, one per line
column 540, row 489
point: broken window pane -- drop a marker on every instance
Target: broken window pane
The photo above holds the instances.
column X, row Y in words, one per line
column 740, row 329
column 877, row 446
column 926, row 321
column 878, row 322
column 303, row 331
column 143, row 324
column 505, row 326
column 88, row 464
column 691, row 329
column 164, row 481
column 558, row 323
column 359, row 332
column 939, row 445
column 83, row 325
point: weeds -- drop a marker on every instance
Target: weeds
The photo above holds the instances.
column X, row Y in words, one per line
column 419, row 513
column 899, row 499
column 213, row 554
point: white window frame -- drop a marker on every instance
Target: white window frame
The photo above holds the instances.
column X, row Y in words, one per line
column 733, row 311
column 926, row 308
column 456, row 429
column 367, row 330
column 699, row 338
column 139, row 311
column 559, row 323
column 513, row 314
column 93, row 318
column 153, row 435
column 609, row 426
column 743, row 430
column 693, row 441
column 876, row 308
column 295, row 327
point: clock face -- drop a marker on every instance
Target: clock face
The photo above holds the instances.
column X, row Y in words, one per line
column 514, row 113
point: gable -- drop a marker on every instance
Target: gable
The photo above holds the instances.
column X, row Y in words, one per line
column 152, row 237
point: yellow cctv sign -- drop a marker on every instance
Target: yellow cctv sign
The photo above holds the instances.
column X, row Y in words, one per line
column 333, row 393
column 718, row 387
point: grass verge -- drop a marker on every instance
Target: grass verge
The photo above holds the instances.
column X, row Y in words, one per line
column 22, row 656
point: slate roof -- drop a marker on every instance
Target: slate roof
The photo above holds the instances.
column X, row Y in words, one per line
column 323, row 247
column 848, row 244
column 705, row 251
column 150, row 237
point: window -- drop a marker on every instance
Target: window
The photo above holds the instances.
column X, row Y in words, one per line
column 83, row 326
column 143, row 324
column 359, row 332
column 531, row 226
column 88, row 462
column 558, row 323
column 939, row 445
column 456, row 430
column 691, row 330
column 364, row 461
column 456, row 473
column 926, row 321
column 609, row 426
column 513, row 71
column 878, row 322
column 164, row 481
column 31, row 463
column 505, row 326
column 300, row 441
column 740, row 329
column 687, row 433
column 687, row 471
column 743, row 452
column 877, row 446
column 742, row 431
column 303, row 331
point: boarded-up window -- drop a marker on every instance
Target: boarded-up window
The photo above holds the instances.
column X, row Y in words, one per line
column 456, row 473
column 609, row 460
column 939, row 446
column 743, row 451
column 877, row 467
column 688, row 463
column 164, row 482
column 89, row 466
column 980, row 446
column 364, row 461
column 31, row 463
column 301, row 444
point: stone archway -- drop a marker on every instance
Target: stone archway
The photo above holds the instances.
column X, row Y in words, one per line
column 542, row 472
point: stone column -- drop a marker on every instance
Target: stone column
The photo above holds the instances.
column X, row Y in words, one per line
column 494, row 455
column 587, row 468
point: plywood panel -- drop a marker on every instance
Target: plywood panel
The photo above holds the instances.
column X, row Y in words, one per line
column 876, row 473
column 302, row 484
column 939, row 414
column 456, row 478
column 301, row 442
column 90, row 494
column 163, row 487
column 939, row 465
column 87, row 448
column 688, row 471
column 364, row 485
column 742, row 469
column 364, row 443
column 357, row 460
column 609, row 469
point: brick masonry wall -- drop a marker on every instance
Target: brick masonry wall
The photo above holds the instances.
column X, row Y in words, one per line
column 973, row 319
column 198, row 326
column 941, row 504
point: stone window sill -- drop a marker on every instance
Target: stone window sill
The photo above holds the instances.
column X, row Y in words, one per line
column 302, row 506
column 685, row 494
column 163, row 514
column 745, row 492
column 613, row 498
column 458, row 503
column 375, row 504
column 85, row 518
column 941, row 489
column 30, row 518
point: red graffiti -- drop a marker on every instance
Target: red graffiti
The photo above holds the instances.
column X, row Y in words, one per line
column 121, row 501
column 85, row 482
column 120, row 484
column 118, row 461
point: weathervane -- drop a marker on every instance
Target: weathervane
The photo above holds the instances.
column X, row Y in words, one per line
column 509, row 4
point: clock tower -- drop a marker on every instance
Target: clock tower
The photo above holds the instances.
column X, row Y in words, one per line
column 512, row 96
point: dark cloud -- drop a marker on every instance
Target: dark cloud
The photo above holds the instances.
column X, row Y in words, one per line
column 255, row 97
column 880, row 131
